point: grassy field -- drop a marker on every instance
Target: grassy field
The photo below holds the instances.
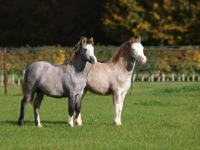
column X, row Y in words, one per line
column 157, row 116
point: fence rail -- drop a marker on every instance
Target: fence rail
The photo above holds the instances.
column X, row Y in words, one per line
column 16, row 79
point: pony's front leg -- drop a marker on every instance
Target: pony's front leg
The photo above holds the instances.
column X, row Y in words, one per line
column 71, row 109
column 117, row 113
column 78, row 119
column 78, row 115
column 118, row 100
column 78, row 109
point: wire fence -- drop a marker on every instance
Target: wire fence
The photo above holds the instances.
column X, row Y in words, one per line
column 169, row 63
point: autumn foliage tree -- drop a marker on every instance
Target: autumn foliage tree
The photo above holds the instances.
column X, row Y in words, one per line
column 122, row 19
column 160, row 22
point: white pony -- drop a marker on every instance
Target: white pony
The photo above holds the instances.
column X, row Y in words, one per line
column 114, row 77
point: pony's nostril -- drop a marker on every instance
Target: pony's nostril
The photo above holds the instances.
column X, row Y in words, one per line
column 91, row 59
column 144, row 59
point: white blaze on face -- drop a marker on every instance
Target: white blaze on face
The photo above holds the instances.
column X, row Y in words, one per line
column 138, row 52
column 90, row 51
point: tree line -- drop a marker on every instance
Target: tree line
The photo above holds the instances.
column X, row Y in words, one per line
column 111, row 22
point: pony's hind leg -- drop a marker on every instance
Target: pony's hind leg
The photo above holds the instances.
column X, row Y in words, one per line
column 78, row 108
column 24, row 102
column 36, row 105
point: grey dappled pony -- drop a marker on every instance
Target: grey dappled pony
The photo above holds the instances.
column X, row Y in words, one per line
column 114, row 77
column 67, row 80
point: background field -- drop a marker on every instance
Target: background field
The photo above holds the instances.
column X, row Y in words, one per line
column 157, row 116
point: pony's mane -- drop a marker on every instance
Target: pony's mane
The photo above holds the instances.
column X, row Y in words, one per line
column 121, row 52
column 77, row 48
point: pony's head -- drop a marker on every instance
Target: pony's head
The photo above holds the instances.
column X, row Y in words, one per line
column 137, row 50
column 86, row 48
column 130, row 50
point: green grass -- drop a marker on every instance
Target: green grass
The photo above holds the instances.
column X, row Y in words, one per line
column 157, row 116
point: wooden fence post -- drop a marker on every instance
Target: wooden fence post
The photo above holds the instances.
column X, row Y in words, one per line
column 163, row 77
column 179, row 77
column 172, row 77
column 5, row 72
column 193, row 76
column 183, row 77
column 142, row 78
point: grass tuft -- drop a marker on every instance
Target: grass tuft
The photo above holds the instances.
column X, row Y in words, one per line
column 169, row 90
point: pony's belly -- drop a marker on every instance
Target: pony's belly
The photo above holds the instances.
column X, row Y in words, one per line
column 100, row 90
column 56, row 93
column 57, row 96
column 58, row 89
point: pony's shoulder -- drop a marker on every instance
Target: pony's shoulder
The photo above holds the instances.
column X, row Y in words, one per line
column 97, row 64
column 99, row 67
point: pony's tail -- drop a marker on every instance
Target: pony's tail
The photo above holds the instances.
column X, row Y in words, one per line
column 23, row 91
column 22, row 87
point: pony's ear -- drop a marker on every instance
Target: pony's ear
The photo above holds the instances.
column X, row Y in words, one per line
column 132, row 40
column 84, row 40
column 91, row 39
column 138, row 39
column 135, row 40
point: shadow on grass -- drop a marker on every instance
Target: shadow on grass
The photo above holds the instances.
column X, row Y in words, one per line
column 10, row 94
column 20, row 94
column 47, row 123
column 11, row 122
column 15, row 122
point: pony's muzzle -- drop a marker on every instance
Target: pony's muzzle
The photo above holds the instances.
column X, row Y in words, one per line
column 143, row 59
column 92, row 60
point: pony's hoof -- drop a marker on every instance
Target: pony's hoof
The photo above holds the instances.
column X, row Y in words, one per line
column 20, row 123
column 39, row 126
column 70, row 124
column 79, row 123
column 117, row 123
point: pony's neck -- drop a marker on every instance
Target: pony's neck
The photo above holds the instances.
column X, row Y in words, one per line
column 78, row 64
column 127, row 64
column 124, row 63
column 123, row 59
